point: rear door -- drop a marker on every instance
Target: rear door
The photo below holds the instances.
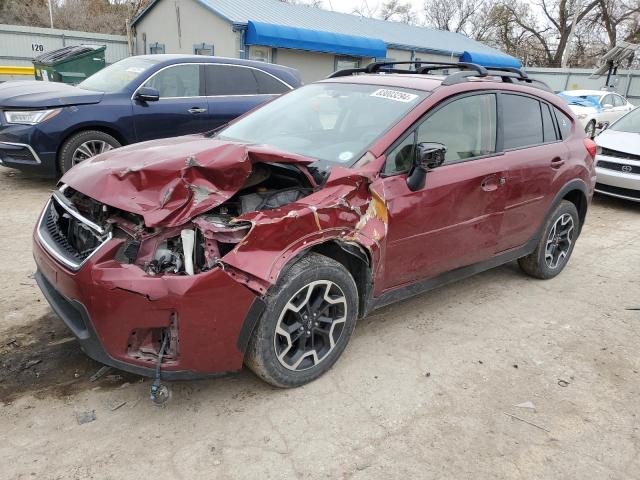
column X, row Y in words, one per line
column 235, row 89
column 455, row 219
column 182, row 107
column 620, row 106
column 533, row 156
column 609, row 113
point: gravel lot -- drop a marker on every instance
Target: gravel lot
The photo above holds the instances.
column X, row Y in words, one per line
column 427, row 388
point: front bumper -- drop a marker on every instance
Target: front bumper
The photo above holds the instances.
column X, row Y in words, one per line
column 615, row 182
column 27, row 148
column 105, row 302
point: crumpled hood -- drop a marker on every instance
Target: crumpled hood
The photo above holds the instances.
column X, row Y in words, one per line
column 35, row 94
column 170, row 181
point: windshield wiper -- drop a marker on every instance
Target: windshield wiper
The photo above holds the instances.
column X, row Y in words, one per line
column 212, row 133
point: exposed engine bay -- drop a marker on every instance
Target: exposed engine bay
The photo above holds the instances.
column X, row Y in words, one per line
column 202, row 243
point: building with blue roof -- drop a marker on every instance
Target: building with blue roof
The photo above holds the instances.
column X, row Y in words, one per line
column 315, row 41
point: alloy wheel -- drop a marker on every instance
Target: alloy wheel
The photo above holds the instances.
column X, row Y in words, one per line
column 89, row 149
column 559, row 241
column 310, row 325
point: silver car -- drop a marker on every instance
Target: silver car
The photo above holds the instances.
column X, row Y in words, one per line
column 618, row 158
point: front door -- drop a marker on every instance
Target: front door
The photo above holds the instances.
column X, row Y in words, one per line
column 455, row 219
column 181, row 109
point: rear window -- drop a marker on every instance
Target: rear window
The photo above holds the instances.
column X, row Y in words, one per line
column 238, row 80
column 522, row 122
column 549, row 131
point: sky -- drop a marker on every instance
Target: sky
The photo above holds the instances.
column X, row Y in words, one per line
column 347, row 6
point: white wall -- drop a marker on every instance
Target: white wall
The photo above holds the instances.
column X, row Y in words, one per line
column 198, row 25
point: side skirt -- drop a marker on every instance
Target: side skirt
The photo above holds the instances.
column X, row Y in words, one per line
column 408, row 291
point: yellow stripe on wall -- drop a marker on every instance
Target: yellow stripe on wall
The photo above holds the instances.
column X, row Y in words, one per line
column 7, row 70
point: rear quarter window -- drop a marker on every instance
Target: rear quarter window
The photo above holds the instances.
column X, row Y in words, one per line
column 269, row 85
column 564, row 123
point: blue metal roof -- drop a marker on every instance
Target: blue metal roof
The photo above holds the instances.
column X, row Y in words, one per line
column 396, row 35
column 490, row 59
column 282, row 36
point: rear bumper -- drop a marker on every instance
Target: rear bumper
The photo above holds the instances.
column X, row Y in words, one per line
column 105, row 303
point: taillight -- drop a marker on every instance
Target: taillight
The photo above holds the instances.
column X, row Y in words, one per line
column 591, row 147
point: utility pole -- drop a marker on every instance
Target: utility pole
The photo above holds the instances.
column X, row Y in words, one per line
column 50, row 13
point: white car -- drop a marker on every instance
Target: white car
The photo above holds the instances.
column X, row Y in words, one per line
column 618, row 158
column 596, row 109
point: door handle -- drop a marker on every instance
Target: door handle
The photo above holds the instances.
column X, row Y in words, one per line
column 492, row 182
column 197, row 110
column 557, row 162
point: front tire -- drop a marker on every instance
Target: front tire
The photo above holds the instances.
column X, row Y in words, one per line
column 306, row 326
column 556, row 243
column 84, row 145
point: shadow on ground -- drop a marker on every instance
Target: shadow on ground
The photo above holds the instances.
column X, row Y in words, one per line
column 43, row 359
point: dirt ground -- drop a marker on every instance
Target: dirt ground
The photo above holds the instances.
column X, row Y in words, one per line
column 426, row 389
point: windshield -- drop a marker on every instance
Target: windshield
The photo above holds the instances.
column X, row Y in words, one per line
column 118, row 75
column 331, row 122
column 629, row 123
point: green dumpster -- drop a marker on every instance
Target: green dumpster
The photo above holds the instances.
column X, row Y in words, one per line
column 69, row 64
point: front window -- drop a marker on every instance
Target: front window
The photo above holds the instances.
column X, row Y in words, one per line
column 177, row 81
column 630, row 123
column 465, row 126
column 332, row 122
column 117, row 76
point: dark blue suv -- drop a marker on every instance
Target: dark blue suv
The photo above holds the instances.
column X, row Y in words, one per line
column 46, row 128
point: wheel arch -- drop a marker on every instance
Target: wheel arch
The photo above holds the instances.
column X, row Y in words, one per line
column 579, row 199
column 356, row 259
column 109, row 130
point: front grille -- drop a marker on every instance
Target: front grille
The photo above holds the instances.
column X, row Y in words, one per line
column 67, row 235
column 617, row 154
column 624, row 192
column 16, row 153
column 618, row 167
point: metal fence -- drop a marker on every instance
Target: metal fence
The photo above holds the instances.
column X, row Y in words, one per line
column 19, row 45
column 627, row 82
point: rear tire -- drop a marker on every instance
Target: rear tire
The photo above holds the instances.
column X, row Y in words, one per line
column 310, row 315
column 555, row 244
column 83, row 145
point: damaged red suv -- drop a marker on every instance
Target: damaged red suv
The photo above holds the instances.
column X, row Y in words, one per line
column 264, row 242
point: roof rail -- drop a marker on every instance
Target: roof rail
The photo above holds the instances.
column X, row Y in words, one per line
column 421, row 67
column 467, row 70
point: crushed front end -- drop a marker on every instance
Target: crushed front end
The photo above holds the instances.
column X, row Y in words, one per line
column 123, row 290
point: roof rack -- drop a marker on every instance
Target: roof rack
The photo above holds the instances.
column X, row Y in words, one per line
column 467, row 70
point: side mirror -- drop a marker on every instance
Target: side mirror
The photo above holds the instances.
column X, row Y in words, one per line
column 147, row 94
column 428, row 156
column 607, row 106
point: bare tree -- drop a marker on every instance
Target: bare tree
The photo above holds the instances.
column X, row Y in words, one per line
column 392, row 10
column 620, row 19
column 553, row 30
column 470, row 17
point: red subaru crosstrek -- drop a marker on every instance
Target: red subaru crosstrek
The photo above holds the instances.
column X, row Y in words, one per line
column 263, row 243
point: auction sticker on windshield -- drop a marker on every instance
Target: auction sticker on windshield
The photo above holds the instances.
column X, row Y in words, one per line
column 396, row 95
